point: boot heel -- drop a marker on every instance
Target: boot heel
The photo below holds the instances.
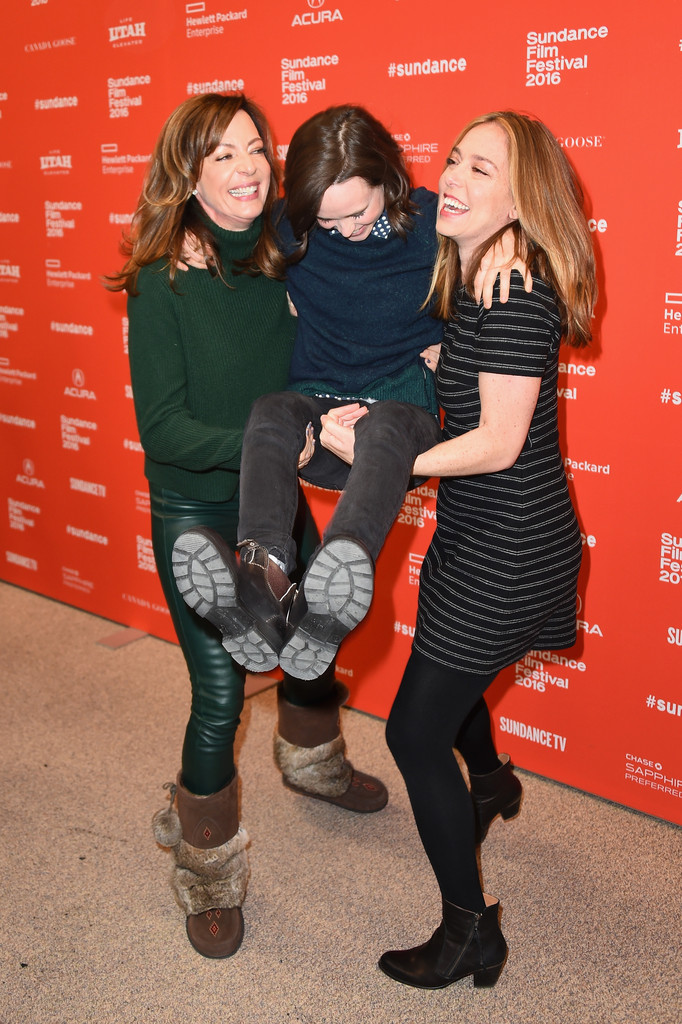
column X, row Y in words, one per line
column 512, row 809
column 487, row 976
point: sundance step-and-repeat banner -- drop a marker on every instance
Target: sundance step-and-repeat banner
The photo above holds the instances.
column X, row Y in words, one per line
column 84, row 90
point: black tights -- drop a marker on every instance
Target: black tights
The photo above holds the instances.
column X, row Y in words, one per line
column 435, row 709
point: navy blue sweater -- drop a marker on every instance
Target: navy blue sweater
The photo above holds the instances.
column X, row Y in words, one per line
column 360, row 326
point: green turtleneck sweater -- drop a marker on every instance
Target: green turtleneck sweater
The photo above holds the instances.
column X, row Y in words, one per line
column 199, row 356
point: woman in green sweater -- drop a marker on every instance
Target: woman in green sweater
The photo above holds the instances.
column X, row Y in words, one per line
column 201, row 350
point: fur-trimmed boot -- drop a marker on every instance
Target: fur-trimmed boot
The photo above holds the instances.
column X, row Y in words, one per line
column 210, row 865
column 464, row 943
column 310, row 752
column 498, row 792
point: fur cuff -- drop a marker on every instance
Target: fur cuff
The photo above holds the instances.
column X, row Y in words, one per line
column 166, row 827
column 322, row 769
column 207, row 879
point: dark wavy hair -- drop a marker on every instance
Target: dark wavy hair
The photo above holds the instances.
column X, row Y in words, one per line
column 331, row 147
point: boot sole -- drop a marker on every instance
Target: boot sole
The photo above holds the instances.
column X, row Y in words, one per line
column 205, row 572
column 483, row 977
column 338, row 588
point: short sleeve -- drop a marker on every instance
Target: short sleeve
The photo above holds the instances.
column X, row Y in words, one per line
column 517, row 337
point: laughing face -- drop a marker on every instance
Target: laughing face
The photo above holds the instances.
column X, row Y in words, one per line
column 352, row 207
column 474, row 194
column 235, row 177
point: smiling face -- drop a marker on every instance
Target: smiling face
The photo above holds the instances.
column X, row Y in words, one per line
column 235, row 177
column 474, row 194
column 352, row 207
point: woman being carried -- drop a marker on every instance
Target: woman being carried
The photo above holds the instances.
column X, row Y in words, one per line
column 358, row 246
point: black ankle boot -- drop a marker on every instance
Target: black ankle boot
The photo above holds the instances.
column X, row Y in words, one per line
column 498, row 792
column 265, row 590
column 464, row 943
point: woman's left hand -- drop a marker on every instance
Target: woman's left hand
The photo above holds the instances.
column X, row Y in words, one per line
column 430, row 356
column 308, row 448
column 338, row 430
column 500, row 261
column 192, row 254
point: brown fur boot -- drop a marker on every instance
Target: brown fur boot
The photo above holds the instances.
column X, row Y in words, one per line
column 310, row 752
column 210, row 865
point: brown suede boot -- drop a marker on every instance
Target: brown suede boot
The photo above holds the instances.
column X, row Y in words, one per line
column 210, row 865
column 310, row 751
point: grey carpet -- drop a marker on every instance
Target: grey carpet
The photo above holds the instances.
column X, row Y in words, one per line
column 90, row 933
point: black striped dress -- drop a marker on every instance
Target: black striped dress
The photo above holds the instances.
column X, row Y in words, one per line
column 500, row 575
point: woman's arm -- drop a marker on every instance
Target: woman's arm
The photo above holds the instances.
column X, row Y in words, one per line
column 507, row 407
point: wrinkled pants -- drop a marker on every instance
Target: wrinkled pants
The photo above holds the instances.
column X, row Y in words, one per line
column 387, row 441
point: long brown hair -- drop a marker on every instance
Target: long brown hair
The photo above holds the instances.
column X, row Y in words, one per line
column 552, row 235
column 331, row 147
column 166, row 209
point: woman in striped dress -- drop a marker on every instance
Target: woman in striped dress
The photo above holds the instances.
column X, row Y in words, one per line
column 500, row 576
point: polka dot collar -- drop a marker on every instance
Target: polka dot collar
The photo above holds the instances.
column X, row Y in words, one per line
column 382, row 228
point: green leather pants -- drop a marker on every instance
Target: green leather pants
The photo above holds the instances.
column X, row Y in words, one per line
column 217, row 681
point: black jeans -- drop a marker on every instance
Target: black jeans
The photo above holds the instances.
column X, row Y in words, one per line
column 217, row 681
column 388, row 439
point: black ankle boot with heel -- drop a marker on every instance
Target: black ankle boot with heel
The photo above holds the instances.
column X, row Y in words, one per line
column 464, row 943
column 498, row 792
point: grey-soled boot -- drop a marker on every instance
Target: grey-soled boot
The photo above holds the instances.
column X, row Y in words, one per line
column 334, row 596
column 247, row 601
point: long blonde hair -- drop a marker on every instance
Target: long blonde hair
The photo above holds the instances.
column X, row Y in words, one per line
column 552, row 235
column 166, row 209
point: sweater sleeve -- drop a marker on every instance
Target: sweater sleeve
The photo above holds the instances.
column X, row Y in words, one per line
column 169, row 432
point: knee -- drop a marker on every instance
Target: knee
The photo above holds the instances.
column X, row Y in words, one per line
column 217, row 691
column 386, row 415
column 380, row 428
column 400, row 424
column 400, row 738
column 280, row 407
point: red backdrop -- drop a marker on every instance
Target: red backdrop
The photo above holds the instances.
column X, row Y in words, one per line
column 84, row 90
